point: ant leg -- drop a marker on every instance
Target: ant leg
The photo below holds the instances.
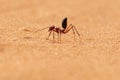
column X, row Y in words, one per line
column 77, row 32
column 68, row 28
column 73, row 33
column 53, row 37
column 60, row 37
column 49, row 35
column 73, row 27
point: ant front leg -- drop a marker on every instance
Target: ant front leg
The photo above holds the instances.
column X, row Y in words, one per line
column 49, row 35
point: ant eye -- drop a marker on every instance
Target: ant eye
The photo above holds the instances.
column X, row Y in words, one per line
column 64, row 23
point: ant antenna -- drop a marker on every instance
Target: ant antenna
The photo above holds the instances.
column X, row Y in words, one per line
column 42, row 29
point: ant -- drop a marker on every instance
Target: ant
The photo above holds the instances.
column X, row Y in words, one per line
column 65, row 29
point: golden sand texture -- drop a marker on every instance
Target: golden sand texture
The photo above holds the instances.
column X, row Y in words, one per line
column 25, row 55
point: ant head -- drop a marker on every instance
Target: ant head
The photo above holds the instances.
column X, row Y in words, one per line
column 64, row 23
column 51, row 28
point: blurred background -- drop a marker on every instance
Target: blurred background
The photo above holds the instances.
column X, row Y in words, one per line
column 25, row 55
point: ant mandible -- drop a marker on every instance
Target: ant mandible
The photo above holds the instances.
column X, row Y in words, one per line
column 65, row 29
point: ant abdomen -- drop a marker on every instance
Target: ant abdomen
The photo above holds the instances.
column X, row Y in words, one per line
column 64, row 23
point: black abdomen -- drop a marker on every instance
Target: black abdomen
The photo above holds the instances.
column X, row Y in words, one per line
column 64, row 23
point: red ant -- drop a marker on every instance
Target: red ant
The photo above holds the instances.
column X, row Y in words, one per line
column 60, row 31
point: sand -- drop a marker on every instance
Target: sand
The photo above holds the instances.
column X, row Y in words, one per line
column 26, row 55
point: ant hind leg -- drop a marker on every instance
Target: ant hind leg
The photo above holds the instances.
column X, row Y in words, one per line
column 73, row 33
